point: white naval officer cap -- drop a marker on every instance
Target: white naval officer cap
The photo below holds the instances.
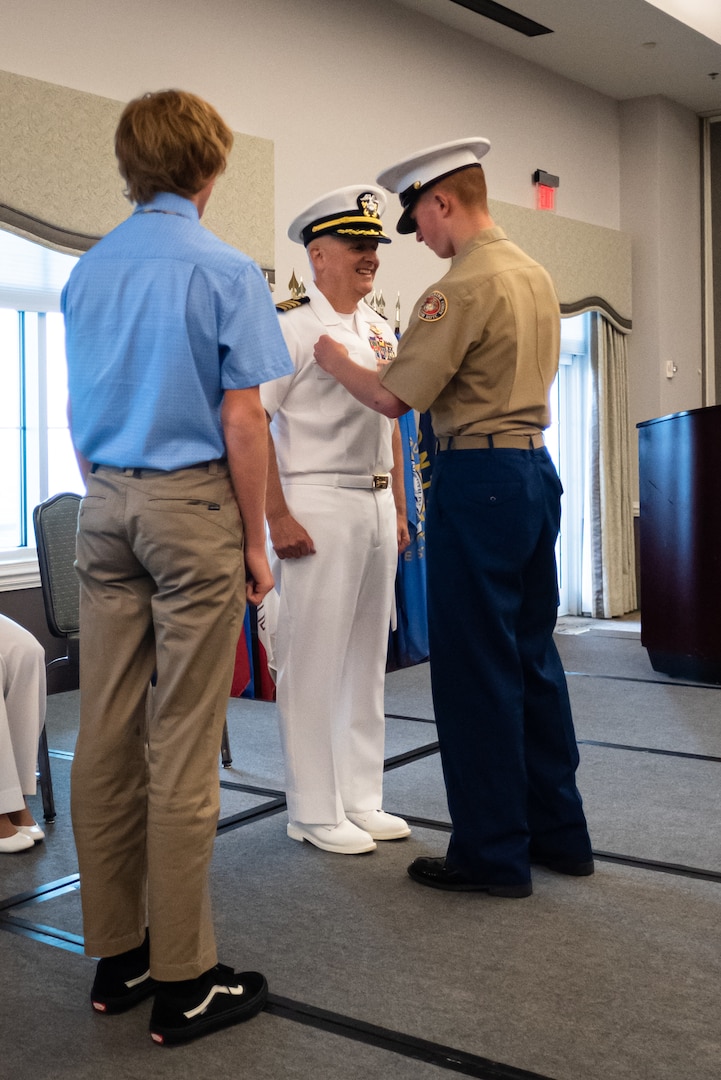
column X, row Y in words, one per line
column 414, row 175
column 346, row 212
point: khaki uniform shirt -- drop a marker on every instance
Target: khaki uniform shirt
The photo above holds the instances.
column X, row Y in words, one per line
column 482, row 347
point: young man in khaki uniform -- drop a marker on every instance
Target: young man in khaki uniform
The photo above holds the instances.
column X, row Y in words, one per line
column 481, row 352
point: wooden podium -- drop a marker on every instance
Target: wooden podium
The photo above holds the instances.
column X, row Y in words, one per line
column 680, row 542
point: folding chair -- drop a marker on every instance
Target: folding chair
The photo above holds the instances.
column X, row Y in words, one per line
column 56, row 522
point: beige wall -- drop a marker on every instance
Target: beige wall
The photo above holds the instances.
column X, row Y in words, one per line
column 343, row 91
column 661, row 212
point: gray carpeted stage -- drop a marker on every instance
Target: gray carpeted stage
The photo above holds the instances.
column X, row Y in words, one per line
column 614, row 977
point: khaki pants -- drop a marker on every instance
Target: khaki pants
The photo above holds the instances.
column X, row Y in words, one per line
column 162, row 589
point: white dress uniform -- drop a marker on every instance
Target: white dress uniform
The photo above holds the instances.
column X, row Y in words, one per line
column 22, row 712
column 334, row 458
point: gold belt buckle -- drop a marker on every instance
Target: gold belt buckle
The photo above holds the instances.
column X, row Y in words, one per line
column 380, row 482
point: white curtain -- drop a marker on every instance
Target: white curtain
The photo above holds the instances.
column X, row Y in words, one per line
column 614, row 563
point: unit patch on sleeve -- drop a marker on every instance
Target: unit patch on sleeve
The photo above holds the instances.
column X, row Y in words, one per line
column 433, row 307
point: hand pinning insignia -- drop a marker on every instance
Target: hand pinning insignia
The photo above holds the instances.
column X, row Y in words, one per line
column 433, row 307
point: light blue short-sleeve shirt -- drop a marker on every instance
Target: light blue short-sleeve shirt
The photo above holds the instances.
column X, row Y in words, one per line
column 162, row 317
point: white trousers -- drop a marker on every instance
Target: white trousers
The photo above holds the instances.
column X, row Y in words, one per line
column 330, row 650
column 22, row 713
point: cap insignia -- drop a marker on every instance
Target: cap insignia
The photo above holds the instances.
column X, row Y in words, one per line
column 369, row 204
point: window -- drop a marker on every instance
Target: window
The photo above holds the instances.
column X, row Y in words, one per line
column 568, row 444
column 35, row 447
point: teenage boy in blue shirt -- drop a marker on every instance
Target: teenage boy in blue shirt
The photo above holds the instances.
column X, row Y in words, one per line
column 169, row 331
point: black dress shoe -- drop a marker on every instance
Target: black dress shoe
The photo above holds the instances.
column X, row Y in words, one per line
column 195, row 1007
column 572, row 867
column 435, row 873
column 123, row 981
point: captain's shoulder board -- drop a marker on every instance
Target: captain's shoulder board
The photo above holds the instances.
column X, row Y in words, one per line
column 289, row 305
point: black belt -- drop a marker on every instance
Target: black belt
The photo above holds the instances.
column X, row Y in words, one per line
column 490, row 442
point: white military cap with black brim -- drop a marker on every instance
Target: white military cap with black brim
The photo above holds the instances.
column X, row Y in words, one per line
column 349, row 212
column 411, row 177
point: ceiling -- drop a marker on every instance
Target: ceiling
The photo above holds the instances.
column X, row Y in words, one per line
column 621, row 48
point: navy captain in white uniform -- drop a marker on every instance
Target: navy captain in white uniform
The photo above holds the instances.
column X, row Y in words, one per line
column 337, row 521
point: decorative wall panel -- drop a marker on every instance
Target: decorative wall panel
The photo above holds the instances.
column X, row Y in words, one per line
column 590, row 265
column 59, row 181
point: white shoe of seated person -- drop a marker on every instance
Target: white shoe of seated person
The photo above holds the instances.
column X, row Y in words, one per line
column 33, row 831
column 10, row 845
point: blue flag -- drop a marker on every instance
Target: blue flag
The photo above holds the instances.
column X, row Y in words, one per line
column 408, row 644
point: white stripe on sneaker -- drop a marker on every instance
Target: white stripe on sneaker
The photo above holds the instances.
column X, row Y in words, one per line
column 130, row 983
column 234, row 991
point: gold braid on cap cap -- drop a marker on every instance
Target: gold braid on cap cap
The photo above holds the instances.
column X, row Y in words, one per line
column 362, row 222
column 374, row 224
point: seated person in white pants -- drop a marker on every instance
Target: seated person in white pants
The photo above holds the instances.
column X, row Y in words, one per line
column 22, row 715
column 336, row 524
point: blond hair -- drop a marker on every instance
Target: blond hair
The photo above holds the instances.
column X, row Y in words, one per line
column 170, row 141
column 468, row 185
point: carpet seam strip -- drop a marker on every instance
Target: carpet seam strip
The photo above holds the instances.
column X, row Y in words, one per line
column 676, row 869
column 445, row 1057
column 417, row 719
column 649, row 682
column 648, row 750
column 236, row 785
column 42, row 892
column 437, row 1054
column 425, row 751
column 246, row 817
column 48, row 935
column 410, row 755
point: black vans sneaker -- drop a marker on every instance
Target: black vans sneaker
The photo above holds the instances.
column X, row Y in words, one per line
column 123, row 981
column 195, row 1007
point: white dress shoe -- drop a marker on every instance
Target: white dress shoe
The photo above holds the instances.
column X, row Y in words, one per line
column 33, row 831
column 345, row 838
column 19, row 841
column 381, row 826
